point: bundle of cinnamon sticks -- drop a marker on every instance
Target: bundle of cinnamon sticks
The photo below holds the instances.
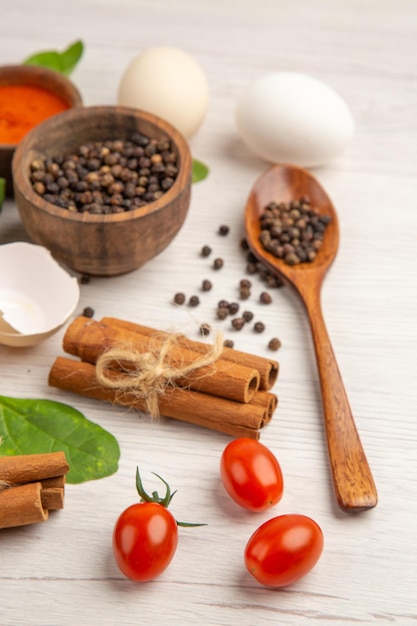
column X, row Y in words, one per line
column 31, row 485
column 230, row 394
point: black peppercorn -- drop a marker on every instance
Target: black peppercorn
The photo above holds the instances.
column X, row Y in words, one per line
column 274, row 344
column 259, row 327
column 205, row 329
column 88, row 312
column 218, row 264
column 244, row 293
column 194, row 301
column 205, row 251
column 179, row 298
column 265, row 298
column 206, row 285
column 223, row 230
column 245, row 283
column 233, row 308
column 228, row 343
column 222, row 313
column 247, row 316
column 238, row 323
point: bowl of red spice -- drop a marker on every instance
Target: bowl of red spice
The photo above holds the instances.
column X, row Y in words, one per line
column 104, row 188
column 29, row 95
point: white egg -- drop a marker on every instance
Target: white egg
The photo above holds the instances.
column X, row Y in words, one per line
column 290, row 117
column 169, row 83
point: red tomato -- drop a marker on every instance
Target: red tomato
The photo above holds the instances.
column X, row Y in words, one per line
column 145, row 538
column 251, row 474
column 283, row 550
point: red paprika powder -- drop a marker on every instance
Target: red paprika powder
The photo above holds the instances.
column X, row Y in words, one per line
column 24, row 106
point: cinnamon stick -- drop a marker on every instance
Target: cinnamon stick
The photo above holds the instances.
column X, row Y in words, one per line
column 22, row 505
column 268, row 368
column 88, row 339
column 237, row 419
column 16, row 470
column 52, row 498
column 53, row 490
column 267, row 400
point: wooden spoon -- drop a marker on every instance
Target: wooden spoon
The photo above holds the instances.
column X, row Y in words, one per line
column 352, row 477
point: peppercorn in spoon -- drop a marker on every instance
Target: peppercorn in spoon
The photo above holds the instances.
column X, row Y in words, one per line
column 284, row 185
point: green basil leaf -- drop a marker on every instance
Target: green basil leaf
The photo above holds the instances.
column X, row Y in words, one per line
column 30, row 426
column 2, row 191
column 71, row 56
column 200, row 171
column 63, row 62
column 49, row 59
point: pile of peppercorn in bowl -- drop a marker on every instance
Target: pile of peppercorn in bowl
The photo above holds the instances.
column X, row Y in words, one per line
column 105, row 189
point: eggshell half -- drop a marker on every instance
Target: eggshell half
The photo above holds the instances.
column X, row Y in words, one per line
column 36, row 294
column 290, row 117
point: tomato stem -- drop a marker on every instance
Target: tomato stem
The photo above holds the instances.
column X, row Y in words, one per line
column 145, row 497
column 165, row 501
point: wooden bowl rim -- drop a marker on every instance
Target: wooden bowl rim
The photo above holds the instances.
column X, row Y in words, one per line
column 183, row 180
column 38, row 76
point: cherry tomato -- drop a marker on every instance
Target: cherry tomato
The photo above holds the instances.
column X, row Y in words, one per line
column 251, row 474
column 283, row 550
column 145, row 538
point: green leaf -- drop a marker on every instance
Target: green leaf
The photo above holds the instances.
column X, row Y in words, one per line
column 63, row 62
column 200, row 171
column 29, row 426
column 71, row 56
column 2, row 191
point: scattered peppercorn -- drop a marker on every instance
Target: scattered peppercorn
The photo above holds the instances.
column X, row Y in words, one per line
column 244, row 293
column 238, row 323
column 179, row 298
column 293, row 231
column 105, row 177
column 233, row 308
column 274, row 344
column 223, row 304
column 88, row 312
column 222, row 313
column 244, row 283
column 247, row 316
column 265, row 298
column 223, row 230
column 251, row 268
column 205, row 251
column 259, row 327
column 205, row 329
column 206, row 285
column 228, row 343
column 218, row 264
column 85, row 279
column 194, row 301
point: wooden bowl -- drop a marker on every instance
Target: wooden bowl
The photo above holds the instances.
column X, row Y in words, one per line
column 101, row 245
column 33, row 76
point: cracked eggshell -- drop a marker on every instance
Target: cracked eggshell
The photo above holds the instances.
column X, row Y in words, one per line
column 37, row 295
column 169, row 83
column 290, row 117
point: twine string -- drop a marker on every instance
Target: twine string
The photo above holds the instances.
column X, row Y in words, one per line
column 147, row 375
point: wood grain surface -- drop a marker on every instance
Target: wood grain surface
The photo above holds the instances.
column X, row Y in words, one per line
column 61, row 572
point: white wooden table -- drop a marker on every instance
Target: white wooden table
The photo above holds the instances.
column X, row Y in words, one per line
column 62, row 572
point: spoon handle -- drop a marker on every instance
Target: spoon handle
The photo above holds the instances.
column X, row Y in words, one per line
column 352, row 477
